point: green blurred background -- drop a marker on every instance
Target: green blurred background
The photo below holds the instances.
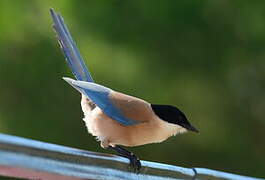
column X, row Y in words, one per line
column 206, row 57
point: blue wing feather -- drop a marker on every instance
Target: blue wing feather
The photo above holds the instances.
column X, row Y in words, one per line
column 100, row 95
column 69, row 48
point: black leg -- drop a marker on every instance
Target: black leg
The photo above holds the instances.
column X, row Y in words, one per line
column 134, row 160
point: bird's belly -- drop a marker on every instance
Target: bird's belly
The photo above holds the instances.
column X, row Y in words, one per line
column 105, row 128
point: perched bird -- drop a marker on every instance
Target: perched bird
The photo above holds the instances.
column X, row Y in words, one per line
column 117, row 119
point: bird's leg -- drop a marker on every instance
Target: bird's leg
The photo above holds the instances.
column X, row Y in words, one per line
column 134, row 160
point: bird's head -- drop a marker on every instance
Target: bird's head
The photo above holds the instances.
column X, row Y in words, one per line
column 172, row 115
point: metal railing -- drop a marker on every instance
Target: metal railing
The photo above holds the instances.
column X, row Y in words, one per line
column 30, row 159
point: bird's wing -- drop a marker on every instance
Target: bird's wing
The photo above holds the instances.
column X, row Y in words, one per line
column 68, row 46
column 132, row 107
column 102, row 97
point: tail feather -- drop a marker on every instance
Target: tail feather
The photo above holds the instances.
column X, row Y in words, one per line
column 69, row 48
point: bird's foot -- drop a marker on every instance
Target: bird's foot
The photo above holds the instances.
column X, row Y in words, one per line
column 135, row 163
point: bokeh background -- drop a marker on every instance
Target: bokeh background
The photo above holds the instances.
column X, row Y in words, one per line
column 205, row 57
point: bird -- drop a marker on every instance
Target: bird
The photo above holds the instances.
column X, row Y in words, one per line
column 114, row 118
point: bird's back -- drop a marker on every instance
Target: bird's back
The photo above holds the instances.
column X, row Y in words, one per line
column 132, row 107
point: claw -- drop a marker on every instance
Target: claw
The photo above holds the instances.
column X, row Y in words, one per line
column 135, row 163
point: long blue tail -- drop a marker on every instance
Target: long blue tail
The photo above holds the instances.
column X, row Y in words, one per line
column 69, row 48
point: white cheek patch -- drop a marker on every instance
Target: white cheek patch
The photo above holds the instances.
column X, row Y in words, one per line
column 180, row 130
column 174, row 129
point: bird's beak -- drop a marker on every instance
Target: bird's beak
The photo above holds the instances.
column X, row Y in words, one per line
column 193, row 129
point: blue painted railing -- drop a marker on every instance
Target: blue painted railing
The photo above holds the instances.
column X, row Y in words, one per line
column 30, row 159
